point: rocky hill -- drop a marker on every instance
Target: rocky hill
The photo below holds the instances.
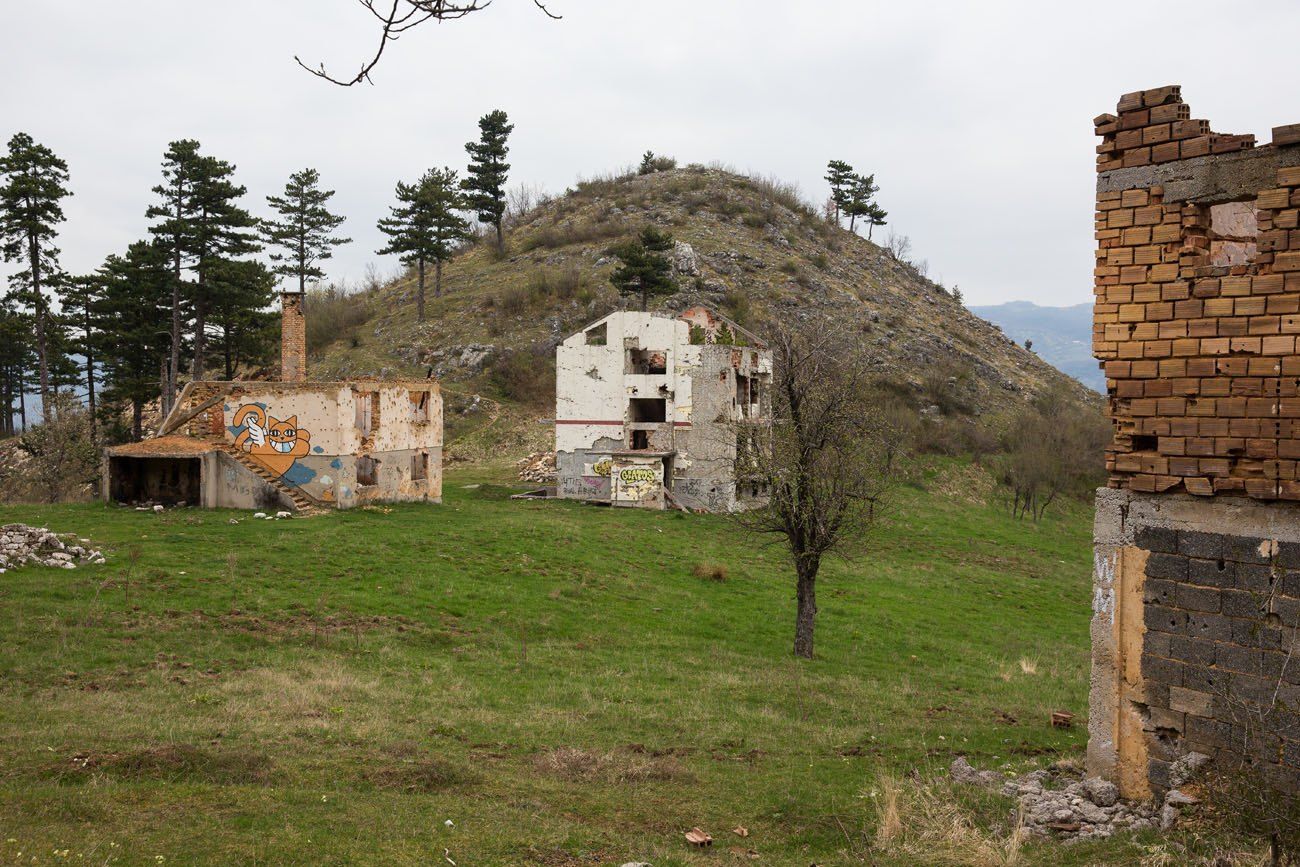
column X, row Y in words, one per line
column 749, row 247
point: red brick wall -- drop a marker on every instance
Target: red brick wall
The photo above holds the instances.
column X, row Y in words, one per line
column 293, row 338
column 1196, row 323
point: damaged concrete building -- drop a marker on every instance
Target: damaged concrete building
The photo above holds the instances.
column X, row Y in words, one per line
column 1197, row 538
column 291, row 444
column 646, row 409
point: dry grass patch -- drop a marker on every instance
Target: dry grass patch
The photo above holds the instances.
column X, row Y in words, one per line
column 710, row 571
column 170, row 763
column 628, row 765
column 418, row 775
column 924, row 822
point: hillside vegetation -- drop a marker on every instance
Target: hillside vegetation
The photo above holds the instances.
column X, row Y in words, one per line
column 759, row 252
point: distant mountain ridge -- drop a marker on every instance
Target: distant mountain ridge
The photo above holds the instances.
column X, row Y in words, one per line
column 1062, row 336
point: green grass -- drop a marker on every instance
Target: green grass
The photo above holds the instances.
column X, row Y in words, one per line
column 552, row 678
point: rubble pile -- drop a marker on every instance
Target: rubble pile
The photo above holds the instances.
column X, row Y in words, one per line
column 21, row 544
column 1060, row 801
column 538, row 467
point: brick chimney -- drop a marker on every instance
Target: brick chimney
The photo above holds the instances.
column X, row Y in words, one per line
column 293, row 338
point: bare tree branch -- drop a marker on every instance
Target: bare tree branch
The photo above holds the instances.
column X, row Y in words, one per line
column 404, row 15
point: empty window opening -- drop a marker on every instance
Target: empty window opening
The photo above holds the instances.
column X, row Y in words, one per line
column 1145, row 443
column 647, row 361
column 647, row 409
column 640, row 440
column 367, row 471
column 367, row 416
column 599, row 335
column 419, row 406
column 419, row 466
column 1234, row 234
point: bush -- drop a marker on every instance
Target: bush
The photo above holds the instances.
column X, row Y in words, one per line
column 57, row 460
column 525, row 375
column 561, row 284
column 333, row 313
column 589, row 231
column 651, row 163
column 737, row 304
column 514, row 300
column 1053, row 447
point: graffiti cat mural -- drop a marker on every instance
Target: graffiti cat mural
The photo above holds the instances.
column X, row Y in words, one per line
column 274, row 443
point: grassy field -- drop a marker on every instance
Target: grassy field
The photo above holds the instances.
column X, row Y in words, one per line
column 501, row 682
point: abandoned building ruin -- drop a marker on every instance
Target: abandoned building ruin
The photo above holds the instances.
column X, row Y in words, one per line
column 646, row 408
column 291, row 444
column 1197, row 538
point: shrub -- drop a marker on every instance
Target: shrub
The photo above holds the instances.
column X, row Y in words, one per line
column 562, row 284
column 754, row 220
column 59, row 460
column 651, row 163
column 333, row 313
column 588, row 231
column 513, row 300
column 820, row 260
column 525, row 375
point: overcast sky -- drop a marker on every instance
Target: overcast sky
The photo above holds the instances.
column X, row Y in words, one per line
column 974, row 117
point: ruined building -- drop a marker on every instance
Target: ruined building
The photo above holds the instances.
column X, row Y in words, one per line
column 1197, row 580
column 646, row 408
column 291, row 444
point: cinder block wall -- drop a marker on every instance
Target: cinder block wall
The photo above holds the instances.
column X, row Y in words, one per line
column 1197, row 580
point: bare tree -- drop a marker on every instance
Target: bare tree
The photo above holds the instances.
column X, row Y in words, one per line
column 1051, row 449
column 399, row 16
column 827, row 460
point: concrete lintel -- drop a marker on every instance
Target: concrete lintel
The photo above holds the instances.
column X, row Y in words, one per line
column 1216, row 177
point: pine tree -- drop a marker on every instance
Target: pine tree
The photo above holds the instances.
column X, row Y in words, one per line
column 245, row 329
column 303, row 230
column 486, row 176
column 219, row 236
column 424, row 226
column 134, row 297
column 79, row 302
column 34, row 183
column 838, row 175
column 17, row 360
column 174, row 231
column 644, row 269
column 861, row 189
column 875, row 216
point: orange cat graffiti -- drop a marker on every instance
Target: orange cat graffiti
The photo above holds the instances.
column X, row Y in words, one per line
column 272, row 442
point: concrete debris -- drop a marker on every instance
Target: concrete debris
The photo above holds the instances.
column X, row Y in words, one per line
column 538, row 467
column 1060, row 802
column 1182, row 769
column 21, row 544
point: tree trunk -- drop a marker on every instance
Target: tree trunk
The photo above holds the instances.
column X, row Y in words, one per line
column 34, row 260
column 645, row 297
column 806, row 611
column 501, row 240
column 164, row 387
column 419, row 295
column 173, row 371
column 137, row 418
column 90, row 391
column 871, row 227
column 198, row 363
column 437, row 279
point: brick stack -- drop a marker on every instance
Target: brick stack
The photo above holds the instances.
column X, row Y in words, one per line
column 1201, row 360
column 1155, row 126
column 293, row 338
column 1219, row 613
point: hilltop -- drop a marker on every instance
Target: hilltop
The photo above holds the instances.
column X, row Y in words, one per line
column 754, row 250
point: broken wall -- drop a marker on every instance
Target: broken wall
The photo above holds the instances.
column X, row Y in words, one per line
column 1196, row 598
